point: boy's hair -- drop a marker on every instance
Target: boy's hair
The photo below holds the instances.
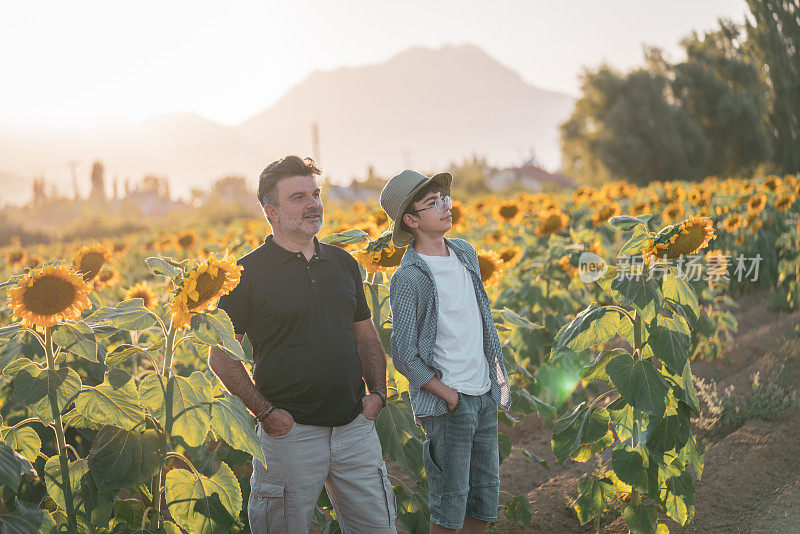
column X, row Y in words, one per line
column 277, row 171
column 432, row 187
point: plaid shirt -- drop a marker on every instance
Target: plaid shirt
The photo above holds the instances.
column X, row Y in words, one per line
column 415, row 304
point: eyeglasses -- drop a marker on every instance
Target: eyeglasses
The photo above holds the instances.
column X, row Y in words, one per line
column 441, row 204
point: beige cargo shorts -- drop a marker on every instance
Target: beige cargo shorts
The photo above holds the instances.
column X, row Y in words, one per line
column 345, row 459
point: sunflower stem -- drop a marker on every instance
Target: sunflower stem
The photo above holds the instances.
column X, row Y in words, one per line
column 60, row 440
column 168, row 351
column 546, row 298
column 155, row 483
column 134, row 358
column 155, row 489
column 636, row 498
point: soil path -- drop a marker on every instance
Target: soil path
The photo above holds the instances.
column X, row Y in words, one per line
column 751, row 481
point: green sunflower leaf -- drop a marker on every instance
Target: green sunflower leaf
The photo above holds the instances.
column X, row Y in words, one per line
column 204, row 505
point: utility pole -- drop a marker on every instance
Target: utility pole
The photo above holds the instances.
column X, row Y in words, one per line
column 315, row 142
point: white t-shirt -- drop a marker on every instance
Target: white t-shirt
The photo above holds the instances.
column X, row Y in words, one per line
column 459, row 330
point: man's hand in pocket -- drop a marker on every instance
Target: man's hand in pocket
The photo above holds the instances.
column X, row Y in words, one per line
column 278, row 423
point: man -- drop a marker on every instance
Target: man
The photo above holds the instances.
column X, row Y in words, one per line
column 302, row 305
column 445, row 342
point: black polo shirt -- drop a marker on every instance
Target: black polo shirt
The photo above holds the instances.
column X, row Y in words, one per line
column 299, row 317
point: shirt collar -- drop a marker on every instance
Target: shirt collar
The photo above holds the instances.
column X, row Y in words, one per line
column 412, row 257
column 282, row 255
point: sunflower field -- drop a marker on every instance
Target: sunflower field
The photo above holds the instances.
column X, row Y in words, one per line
column 112, row 422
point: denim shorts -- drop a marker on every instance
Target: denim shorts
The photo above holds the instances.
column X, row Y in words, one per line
column 462, row 462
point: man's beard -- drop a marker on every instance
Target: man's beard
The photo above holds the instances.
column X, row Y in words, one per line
column 301, row 227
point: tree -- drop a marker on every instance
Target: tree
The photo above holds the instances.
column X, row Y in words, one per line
column 98, row 191
column 773, row 34
column 721, row 89
column 469, row 177
column 622, row 127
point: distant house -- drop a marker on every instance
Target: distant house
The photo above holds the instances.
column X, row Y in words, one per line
column 151, row 203
column 529, row 177
column 351, row 193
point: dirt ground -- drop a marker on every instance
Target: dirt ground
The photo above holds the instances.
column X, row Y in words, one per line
column 751, row 481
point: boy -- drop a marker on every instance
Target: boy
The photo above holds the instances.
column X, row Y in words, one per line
column 445, row 343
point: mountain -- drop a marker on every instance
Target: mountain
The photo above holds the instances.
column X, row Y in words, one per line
column 422, row 108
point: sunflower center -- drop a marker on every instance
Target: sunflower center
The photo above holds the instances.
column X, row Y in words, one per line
column 90, row 265
column 207, row 287
column 455, row 214
column 552, row 224
column 186, row 241
column 605, row 213
column 509, row 211
column 506, row 255
column 49, row 295
column 391, row 257
column 686, row 244
column 487, row 268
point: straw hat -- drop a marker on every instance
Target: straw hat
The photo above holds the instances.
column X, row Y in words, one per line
column 397, row 195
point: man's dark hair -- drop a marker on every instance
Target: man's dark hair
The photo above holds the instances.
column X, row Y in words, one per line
column 277, row 171
column 431, row 187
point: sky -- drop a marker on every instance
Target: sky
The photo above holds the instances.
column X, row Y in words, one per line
column 100, row 61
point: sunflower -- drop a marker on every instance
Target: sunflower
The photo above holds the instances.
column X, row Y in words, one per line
column 89, row 260
column 772, row 183
column 698, row 197
column 640, row 208
column 45, row 296
column 391, row 256
column 756, row 203
column 106, row 278
column 491, row 267
column 496, row 236
column 551, row 222
column 119, row 247
column 733, row 223
column 201, row 287
column 784, row 202
column 507, row 212
column 566, row 265
column 605, row 213
column 186, row 240
column 380, row 218
column 457, row 214
column 717, row 263
column 380, row 255
column 751, row 217
column 164, row 242
column 16, row 257
column 144, row 292
column 681, row 239
column 510, row 256
column 672, row 213
column 583, row 193
column 368, row 259
column 33, row 261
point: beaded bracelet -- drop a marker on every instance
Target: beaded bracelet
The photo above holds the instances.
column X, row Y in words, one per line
column 264, row 415
column 262, row 411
